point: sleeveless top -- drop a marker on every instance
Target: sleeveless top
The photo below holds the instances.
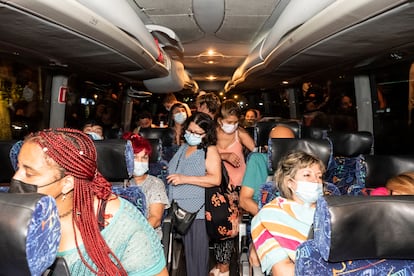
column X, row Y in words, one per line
column 131, row 238
column 235, row 174
column 188, row 196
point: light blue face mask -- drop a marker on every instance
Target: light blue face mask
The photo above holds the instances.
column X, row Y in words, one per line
column 192, row 138
column 140, row 168
column 94, row 135
column 180, row 117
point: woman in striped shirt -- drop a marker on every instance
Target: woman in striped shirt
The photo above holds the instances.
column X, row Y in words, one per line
column 283, row 224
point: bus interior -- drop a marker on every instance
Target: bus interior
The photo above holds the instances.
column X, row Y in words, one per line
column 61, row 62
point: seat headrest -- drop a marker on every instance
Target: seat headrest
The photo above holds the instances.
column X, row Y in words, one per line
column 318, row 147
column 360, row 227
column 314, row 132
column 166, row 134
column 30, row 233
column 351, row 144
column 380, row 168
column 115, row 159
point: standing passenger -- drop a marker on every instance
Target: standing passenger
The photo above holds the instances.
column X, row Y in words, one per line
column 169, row 100
column 194, row 167
column 208, row 103
column 102, row 234
column 179, row 115
column 230, row 142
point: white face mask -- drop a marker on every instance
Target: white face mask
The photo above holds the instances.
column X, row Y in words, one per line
column 308, row 192
column 180, row 117
column 140, row 168
column 229, row 128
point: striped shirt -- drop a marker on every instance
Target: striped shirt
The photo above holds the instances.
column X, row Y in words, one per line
column 278, row 229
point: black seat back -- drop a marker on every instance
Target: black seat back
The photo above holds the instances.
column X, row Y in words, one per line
column 314, row 132
column 30, row 233
column 114, row 159
column 166, row 134
column 358, row 227
column 351, row 144
column 318, row 147
column 380, row 168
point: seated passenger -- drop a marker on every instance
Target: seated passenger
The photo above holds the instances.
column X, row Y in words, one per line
column 144, row 120
column 402, row 184
column 284, row 223
column 257, row 171
column 153, row 187
column 250, row 118
column 93, row 129
column 102, row 234
column 255, row 175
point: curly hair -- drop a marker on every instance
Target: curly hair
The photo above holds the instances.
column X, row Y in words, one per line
column 75, row 154
column 205, row 122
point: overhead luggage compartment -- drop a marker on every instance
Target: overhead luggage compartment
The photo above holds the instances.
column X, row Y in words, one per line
column 67, row 34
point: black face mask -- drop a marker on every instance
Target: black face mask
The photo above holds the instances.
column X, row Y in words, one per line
column 19, row 187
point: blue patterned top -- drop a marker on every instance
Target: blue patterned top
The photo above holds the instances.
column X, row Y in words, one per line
column 189, row 197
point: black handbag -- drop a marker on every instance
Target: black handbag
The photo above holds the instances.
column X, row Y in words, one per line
column 182, row 219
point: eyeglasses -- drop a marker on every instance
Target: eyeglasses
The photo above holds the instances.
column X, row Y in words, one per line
column 198, row 135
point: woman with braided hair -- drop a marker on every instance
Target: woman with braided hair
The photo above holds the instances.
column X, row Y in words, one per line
column 102, row 234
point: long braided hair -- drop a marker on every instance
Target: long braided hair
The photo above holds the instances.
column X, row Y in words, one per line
column 75, row 152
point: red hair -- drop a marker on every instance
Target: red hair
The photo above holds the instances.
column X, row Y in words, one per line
column 75, row 152
column 138, row 142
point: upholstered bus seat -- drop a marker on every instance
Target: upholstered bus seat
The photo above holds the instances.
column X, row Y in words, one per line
column 347, row 167
column 358, row 235
column 30, row 233
column 320, row 148
column 115, row 159
column 380, row 168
